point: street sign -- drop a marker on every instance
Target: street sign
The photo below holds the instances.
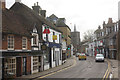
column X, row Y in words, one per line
column 54, row 37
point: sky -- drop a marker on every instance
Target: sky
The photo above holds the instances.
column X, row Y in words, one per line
column 85, row 14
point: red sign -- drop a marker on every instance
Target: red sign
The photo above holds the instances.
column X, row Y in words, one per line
column 46, row 31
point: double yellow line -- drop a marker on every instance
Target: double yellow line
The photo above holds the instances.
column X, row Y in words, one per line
column 58, row 71
column 107, row 72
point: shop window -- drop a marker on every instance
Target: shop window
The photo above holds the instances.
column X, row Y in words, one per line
column 46, row 58
column 10, row 66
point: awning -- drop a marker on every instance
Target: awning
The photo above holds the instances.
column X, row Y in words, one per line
column 54, row 45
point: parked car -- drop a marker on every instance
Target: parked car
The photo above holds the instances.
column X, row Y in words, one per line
column 99, row 57
column 77, row 54
column 82, row 56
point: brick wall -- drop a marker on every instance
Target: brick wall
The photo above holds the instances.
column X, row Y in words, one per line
column 17, row 42
column 4, row 42
column 28, row 65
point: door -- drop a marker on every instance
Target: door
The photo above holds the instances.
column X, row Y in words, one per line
column 50, row 58
column 24, row 66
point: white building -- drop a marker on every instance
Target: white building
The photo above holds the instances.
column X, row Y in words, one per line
column 55, row 48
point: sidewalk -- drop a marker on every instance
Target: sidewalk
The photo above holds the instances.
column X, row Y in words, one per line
column 69, row 62
column 114, row 67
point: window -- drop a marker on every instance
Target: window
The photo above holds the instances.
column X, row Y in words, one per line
column 35, row 63
column 117, row 27
column 59, row 38
column 53, row 54
column 106, row 30
column 35, row 40
column 24, row 43
column 46, row 58
column 10, row 66
column 111, row 42
column 11, row 42
column 53, row 34
column 60, row 54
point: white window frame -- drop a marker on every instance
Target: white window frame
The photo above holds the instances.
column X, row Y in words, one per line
column 35, row 34
column 24, row 44
column 10, row 65
column 35, row 63
column 9, row 38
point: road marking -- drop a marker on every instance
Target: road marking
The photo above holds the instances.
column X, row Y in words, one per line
column 107, row 72
column 58, row 70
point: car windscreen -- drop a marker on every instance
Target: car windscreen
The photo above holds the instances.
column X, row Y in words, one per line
column 99, row 55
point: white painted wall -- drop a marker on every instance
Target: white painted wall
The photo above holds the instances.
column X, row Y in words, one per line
column 35, row 71
column 32, row 64
column 50, row 35
column 50, row 39
column 46, row 66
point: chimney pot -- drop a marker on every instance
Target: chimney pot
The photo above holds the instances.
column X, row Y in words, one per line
column 18, row 1
column 37, row 3
column 110, row 20
column 3, row 4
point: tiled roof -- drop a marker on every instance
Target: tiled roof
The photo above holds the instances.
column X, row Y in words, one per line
column 30, row 17
column 11, row 23
column 60, row 23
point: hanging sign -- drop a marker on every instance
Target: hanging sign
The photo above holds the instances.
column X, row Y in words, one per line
column 54, row 37
column 46, row 30
column 43, row 47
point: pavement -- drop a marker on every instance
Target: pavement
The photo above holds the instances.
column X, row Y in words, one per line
column 114, row 68
column 69, row 62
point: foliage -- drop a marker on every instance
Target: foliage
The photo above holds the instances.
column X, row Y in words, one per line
column 88, row 35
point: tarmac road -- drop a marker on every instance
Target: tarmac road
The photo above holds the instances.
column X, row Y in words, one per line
column 83, row 69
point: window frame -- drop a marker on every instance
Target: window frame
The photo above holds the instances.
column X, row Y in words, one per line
column 9, row 42
column 25, row 43
column 35, row 35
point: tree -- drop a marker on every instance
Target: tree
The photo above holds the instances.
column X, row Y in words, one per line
column 88, row 35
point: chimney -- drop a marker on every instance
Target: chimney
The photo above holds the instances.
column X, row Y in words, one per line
column 99, row 27
column 110, row 20
column 3, row 4
column 36, row 8
column 103, row 24
column 43, row 13
column 18, row 1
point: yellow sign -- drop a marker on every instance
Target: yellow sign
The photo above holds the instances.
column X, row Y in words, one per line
column 54, row 37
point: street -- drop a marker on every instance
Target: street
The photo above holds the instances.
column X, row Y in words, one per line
column 83, row 69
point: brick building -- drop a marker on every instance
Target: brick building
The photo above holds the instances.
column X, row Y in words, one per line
column 106, row 39
column 16, row 45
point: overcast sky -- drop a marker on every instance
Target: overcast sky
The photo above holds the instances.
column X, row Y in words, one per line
column 86, row 14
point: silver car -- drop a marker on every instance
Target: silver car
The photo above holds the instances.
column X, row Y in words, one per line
column 99, row 57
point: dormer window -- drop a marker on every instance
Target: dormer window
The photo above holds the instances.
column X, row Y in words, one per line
column 10, row 39
column 24, row 43
column 34, row 30
column 35, row 39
